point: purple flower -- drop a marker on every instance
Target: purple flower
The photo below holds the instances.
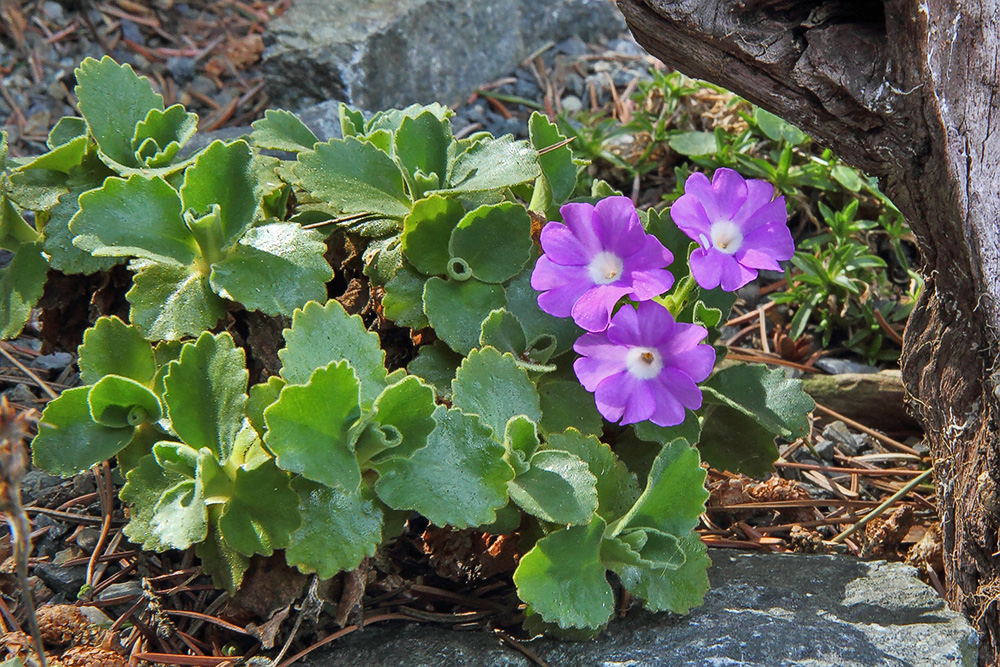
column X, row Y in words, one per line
column 598, row 256
column 740, row 226
column 645, row 366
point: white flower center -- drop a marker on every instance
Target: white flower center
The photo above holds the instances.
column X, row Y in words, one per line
column 726, row 236
column 605, row 268
column 644, row 363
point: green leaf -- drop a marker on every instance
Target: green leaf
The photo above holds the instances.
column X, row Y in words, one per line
column 557, row 487
column 61, row 158
column 13, row 229
column 69, row 441
column 465, row 492
column 21, row 286
column 456, row 310
column 263, row 512
column 309, row 427
column 37, row 189
column 567, row 404
column 260, row 397
column 281, row 130
column 383, row 259
column 408, row 406
column 161, row 134
column 223, row 175
column 436, row 364
column 170, row 302
column 774, row 401
column 557, row 165
column 355, row 177
column 138, row 217
column 847, row 177
column 145, row 484
column 689, row 429
column 225, row 564
column 119, row 402
column 495, row 241
column 339, row 529
column 403, row 302
column 735, row 442
column 777, row 129
column 274, row 268
column 563, row 580
column 321, row 334
column 180, row 517
column 693, row 143
column 352, row 122
column 502, row 330
column 521, row 438
column 63, row 255
column 522, row 300
column 617, row 489
column 177, row 457
column 494, row 387
column 493, row 164
column 421, row 144
column 113, row 100
column 111, row 347
column 65, row 130
column 665, row 589
column 206, row 393
column 426, row 230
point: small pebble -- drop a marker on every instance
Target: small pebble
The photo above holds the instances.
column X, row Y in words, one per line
column 826, row 449
column 130, row 31
column 626, row 47
column 574, row 46
column 571, row 104
column 52, row 362
column 19, row 394
column 181, row 69
column 87, row 538
column 53, row 11
column 842, row 366
column 848, row 443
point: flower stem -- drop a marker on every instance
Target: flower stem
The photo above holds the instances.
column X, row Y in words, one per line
column 675, row 302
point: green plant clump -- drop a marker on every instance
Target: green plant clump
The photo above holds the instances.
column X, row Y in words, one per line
column 327, row 456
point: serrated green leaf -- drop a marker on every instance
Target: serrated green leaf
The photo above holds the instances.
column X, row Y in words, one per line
column 558, row 168
column 321, row 334
column 65, row 130
column 164, row 352
column 355, row 177
column 145, row 484
column 119, row 402
column 557, row 487
column 205, row 393
column 61, row 158
column 282, row 130
column 493, row 164
column 403, row 302
column 63, row 255
column 501, row 329
column 494, row 387
column 383, row 259
column 309, row 427
column 69, row 441
column 352, row 122
column 180, row 517
column 522, row 300
column 113, row 100
column 408, row 406
column 456, row 310
column 495, row 241
column 465, row 492
column 223, row 175
column 111, row 347
column 421, row 144
column 37, row 189
column 170, row 302
column 436, row 364
column 563, row 579
column 274, row 268
column 389, row 120
column 339, row 529
column 664, row 589
column 259, row 398
column 426, row 230
column 693, row 143
column 221, row 561
column 617, row 489
column 521, row 436
column 13, row 229
column 161, row 134
column 177, row 457
column 263, row 512
column 138, row 217
column 689, row 429
column 21, row 286
column 770, row 398
column 735, row 442
column 666, row 231
column 567, row 404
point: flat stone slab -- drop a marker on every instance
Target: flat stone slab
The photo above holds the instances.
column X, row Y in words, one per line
column 376, row 54
column 764, row 610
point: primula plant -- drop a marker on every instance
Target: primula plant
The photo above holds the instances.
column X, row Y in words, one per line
column 322, row 446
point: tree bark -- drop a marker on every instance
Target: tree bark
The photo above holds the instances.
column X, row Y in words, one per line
column 908, row 90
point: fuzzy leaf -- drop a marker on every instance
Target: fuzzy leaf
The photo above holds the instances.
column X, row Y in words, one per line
column 617, row 489
column 63, row 255
column 403, row 302
column 113, row 100
column 161, row 134
column 321, row 334
column 735, row 442
column 111, row 347
column 768, row 397
column 263, row 512
column 309, row 427
column 274, row 268
column 69, row 441
column 493, row 164
column 281, row 130
column 13, row 229
column 61, row 158
column 557, row 487
column 495, row 241
column 170, row 302
column 456, row 310
column 145, row 484
column 138, row 217
column 421, row 143
column 502, row 330
column 494, row 387
column 180, row 517
column 259, row 398
column 65, row 130
column 119, row 402
column 206, row 393
column 355, row 177
column 689, row 429
column 219, row 559
column 557, row 165
column 36, row 189
column 21, row 286
column 408, row 406
column 223, row 174
column 339, row 529
column 563, row 580
column 383, row 259
column 665, row 589
column 465, row 492
column 426, row 230
column 567, row 404
column 522, row 300
column 436, row 364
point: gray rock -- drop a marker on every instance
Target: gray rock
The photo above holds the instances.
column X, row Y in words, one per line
column 181, row 69
column 826, row 449
column 848, row 443
column 574, row 46
column 763, row 610
column 20, row 393
column 840, row 366
column 61, row 579
column 391, row 53
column 52, row 362
column 571, row 104
column 38, row 484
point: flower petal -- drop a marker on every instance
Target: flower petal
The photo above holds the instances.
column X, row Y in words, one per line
column 644, row 270
column 640, row 402
column 600, row 359
column 625, row 327
column 579, row 217
column 723, row 198
column 549, row 275
column 560, row 301
column 735, row 275
column 561, row 246
column 706, row 266
column 771, row 213
column 759, row 194
column 669, row 411
column 695, row 363
column 618, row 227
column 610, row 395
column 774, row 240
column 690, row 217
column 592, row 309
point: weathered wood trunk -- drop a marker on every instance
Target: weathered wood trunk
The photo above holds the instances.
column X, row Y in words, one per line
column 910, row 91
